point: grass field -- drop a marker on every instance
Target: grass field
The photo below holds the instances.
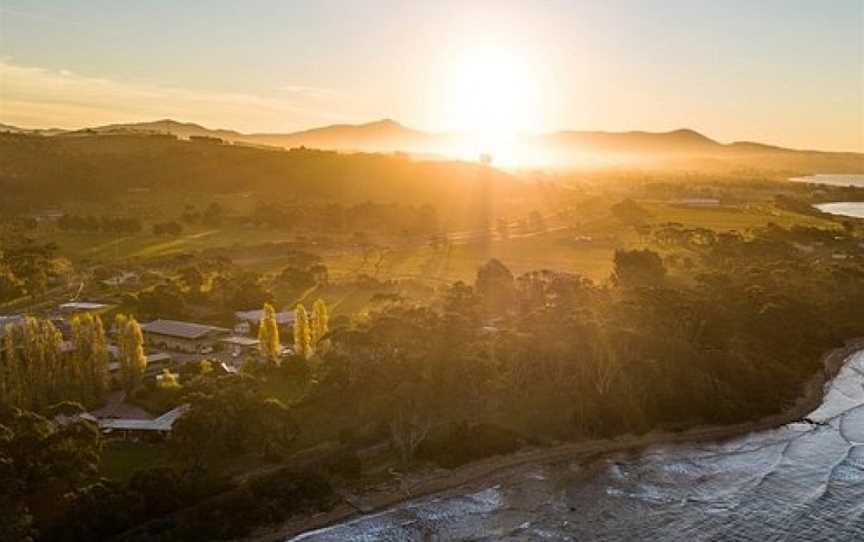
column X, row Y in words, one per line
column 586, row 247
column 733, row 218
column 445, row 264
column 107, row 247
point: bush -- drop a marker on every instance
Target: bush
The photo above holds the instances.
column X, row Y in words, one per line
column 106, row 509
column 462, row 443
column 346, row 464
column 235, row 514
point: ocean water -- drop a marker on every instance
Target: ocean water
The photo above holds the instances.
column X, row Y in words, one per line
column 833, row 180
column 798, row 482
column 843, row 208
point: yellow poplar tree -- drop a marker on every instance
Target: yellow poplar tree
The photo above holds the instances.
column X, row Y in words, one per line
column 99, row 365
column 41, row 356
column 320, row 320
column 302, row 333
column 89, row 372
column 268, row 335
column 75, row 368
column 11, row 383
column 130, row 346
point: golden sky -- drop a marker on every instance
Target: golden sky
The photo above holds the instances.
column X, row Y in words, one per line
column 782, row 72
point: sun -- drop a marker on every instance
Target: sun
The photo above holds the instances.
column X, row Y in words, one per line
column 491, row 96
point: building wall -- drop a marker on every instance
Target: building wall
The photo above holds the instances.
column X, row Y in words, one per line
column 176, row 343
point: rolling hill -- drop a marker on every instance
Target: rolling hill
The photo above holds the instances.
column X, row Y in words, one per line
column 679, row 148
column 94, row 166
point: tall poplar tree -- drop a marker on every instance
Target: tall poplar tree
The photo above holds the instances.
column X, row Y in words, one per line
column 320, row 320
column 88, row 369
column 11, row 382
column 130, row 346
column 41, row 355
column 268, row 335
column 302, row 332
column 99, row 365
column 75, row 365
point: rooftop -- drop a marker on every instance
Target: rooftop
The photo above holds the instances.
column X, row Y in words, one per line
column 254, row 317
column 160, row 357
column 163, row 423
column 240, row 341
column 82, row 306
column 183, row 330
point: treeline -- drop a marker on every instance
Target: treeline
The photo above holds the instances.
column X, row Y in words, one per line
column 104, row 224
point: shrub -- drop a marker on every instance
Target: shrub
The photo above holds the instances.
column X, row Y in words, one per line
column 462, row 443
column 346, row 464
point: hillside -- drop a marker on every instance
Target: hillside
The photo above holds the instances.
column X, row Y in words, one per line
column 37, row 170
column 8, row 128
column 380, row 136
column 681, row 148
column 165, row 126
column 683, row 140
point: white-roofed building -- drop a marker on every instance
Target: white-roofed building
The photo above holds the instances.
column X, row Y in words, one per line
column 81, row 306
column 163, row 424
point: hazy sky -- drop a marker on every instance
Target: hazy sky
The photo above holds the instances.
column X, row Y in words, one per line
column 787, row 72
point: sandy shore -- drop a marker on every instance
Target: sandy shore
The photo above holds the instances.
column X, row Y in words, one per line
column 444, row 480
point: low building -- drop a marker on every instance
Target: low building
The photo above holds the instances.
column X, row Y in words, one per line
column 248, row 321
column 182, row 336
column 81, row 306
column 239, row 347
column 157, row 362
column 135, row 427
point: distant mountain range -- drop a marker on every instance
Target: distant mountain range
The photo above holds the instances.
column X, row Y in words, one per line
column 388, row 136
column 39, row 131
column 379, row 136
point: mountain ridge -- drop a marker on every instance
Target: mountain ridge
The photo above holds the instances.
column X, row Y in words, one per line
column 388, row 135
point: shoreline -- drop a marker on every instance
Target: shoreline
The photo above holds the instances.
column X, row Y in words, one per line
column 357, row 506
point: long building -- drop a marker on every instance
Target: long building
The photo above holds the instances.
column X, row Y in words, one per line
column 181, row 336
